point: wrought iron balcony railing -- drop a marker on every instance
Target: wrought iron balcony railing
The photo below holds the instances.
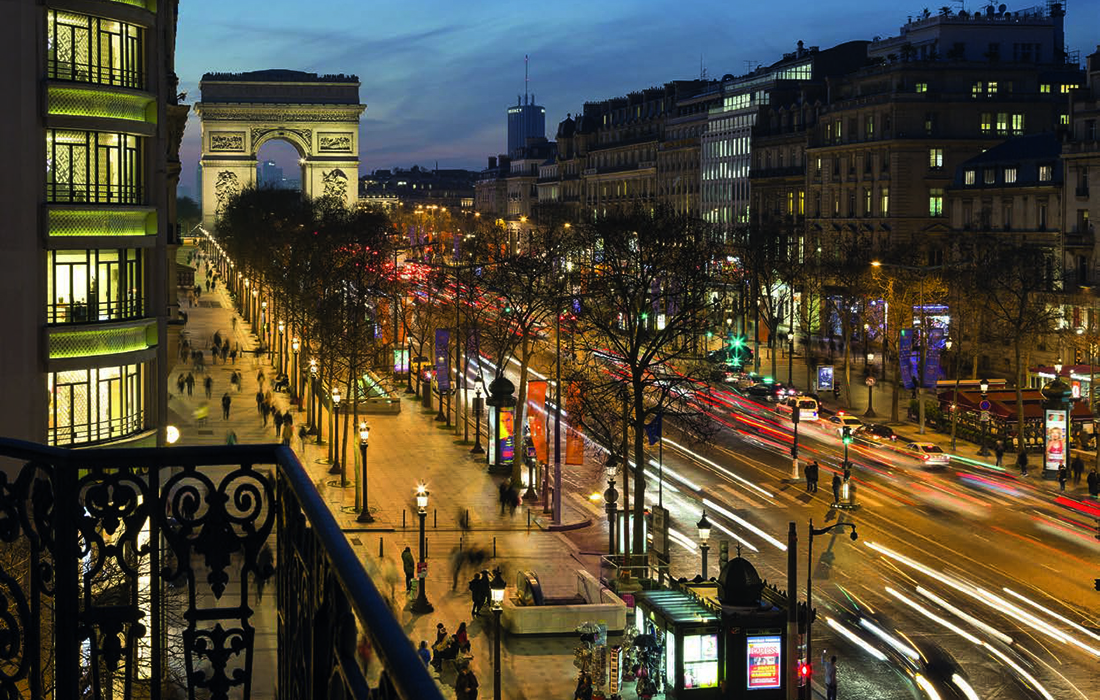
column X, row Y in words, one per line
column 129, row 573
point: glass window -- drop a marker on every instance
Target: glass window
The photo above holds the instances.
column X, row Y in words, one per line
column 1044, row 88
column 1002, row 123
column 1010, row 175
column 701, row 661
column 89, row 166
column 935, row 158
column 1017, row 125
column 922, row 87
column 869, row 127
column 885, row 199
column 95, row 405
column 935, row 202
column 977, row 89
column 1045, row 173
column 991, row 88
column 989, row 176
column 86, row 286
column 970, row 177
column 987, row 123
column 670, row 658
column 93, row 50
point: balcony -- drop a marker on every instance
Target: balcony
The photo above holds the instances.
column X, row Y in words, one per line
column 1080, row 237
column 1081, row 192
column 135, row 571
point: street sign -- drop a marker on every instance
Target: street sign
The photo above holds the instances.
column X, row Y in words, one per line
column 870, row 381
column 985, row 417
column 984, row 405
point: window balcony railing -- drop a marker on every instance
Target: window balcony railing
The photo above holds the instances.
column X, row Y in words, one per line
column 97, row 431
column 134, row 573
column 96, row 312
column 96, row 75
column 79, row 193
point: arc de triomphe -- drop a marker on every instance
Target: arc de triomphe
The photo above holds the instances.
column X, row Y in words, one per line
column 239, row 112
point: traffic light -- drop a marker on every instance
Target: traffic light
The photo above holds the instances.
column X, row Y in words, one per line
column 805, row 670
column 737, row 342
column 846, row 435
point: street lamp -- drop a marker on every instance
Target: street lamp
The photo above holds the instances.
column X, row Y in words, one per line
column 281, row 340
column 496, row 590
column 364, row 435
column 984, row 416
column 421, row 604
column 810, row 578
column 337, row 467
column 314, row 423
column 704, row 540
column 870, row 380
column 610, row 496
column 790, row 358
column 294, row 346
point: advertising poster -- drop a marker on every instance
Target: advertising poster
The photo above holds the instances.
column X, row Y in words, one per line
column 401, row 361
column 442, row 369
column 825, row 378
column 574, row 438
column 507, row 435
column 491, row 430
column 1057, row 434
column 536, row 418
column 764, row 661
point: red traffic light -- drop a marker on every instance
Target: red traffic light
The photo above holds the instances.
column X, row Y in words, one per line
column 804, row 670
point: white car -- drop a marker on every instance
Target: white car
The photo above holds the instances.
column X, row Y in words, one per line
column 928, row 453
column 807, row 407
column 843, row 420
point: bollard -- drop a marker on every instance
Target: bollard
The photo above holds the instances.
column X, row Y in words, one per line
column 435, row 517
column 402, row 518
column 380, row 554
column 528, row 518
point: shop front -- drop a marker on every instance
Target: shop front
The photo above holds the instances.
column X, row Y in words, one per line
column 688, row 642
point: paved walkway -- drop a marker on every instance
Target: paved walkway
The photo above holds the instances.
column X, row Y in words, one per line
column 405, row 449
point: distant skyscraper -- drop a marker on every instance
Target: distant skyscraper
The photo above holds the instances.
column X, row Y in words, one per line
column 271, row 175
column 525, row 120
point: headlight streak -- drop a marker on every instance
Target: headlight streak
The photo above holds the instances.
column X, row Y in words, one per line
column 1053, row 614
column 927, row 687
column 682, row 540
column 744, row 523
column 964, row 616
column 905, row 650
column 855, row 639
column 722, row 469
column 963, row 686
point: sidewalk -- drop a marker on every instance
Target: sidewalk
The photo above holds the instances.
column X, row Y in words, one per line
column 405, row 449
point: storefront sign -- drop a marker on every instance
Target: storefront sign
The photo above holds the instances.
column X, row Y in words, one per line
column 764, row 661
column 1057, row 434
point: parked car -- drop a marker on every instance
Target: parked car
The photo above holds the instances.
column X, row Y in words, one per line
column 928, row 453
column 844, row 420
column 806, row 406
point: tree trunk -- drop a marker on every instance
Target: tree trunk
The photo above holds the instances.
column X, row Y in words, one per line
column 895, row 415
column 638, row 544
column 1020, row 447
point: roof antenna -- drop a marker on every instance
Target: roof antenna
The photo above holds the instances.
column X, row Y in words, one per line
column 526, row 77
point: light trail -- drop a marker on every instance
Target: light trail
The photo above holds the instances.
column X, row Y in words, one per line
column 855, row 639
column 906, row 650
column 1053, row 614
column 745, row 524
column 965, row 687
column 701, row 458
column 927, row 687
column 964, row 616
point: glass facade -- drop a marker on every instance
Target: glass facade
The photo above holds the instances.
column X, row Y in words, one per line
column 95, row 405
column 94, row 50
column 91, row 166
column 85, row 286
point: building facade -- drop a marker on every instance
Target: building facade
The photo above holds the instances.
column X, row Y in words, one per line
column 89, row 194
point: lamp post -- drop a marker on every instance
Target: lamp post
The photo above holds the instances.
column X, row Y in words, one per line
column 479, row 408
column 810, row 580
column 295, row 384
column 364, row 435
column 337, row 467
column 984, row 386
column 263, row 324
column 790, row 358
column 496, row 590
column 610, row 496
column 281, row 340
column 421, row 604
column 870, row 380
column 313, row 422
column 704, row 540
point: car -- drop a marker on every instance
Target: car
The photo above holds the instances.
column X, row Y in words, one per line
column 807, row 407
column 878, row 433
column 738, row 357
column 844, row 420
column 769, row 391
column 927, row 452
column 724, row 373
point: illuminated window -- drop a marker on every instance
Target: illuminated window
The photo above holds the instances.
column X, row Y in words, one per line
column 885, row 202
column 1044, row 88
column 1002, row 123
column 935, row 202
column 867, row 202
column 869, row 127
column 1045, row 173
column 801, row 203
column 989, row 176
column 1010, row 175
column 86, row 286
column 1063, row 120
column 935, row 158
column 1017, row 125
column 88, row 166
column 922, row 87
column 89, row 406
column 991, row 89
column 94, row 50
column 987, row 123
column 1066, row 89
column 970, row 177
column 977, row 89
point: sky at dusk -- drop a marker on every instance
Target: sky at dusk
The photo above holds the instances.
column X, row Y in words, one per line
column 437, row 77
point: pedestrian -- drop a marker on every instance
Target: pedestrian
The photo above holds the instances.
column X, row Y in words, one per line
column 302, row 433
column 422, row 651
column 830, row 675
column 475, row 595
column 225, row 352
column 234, row 323
column 584, row 688
column 233, row 355
column 812, row 471
column 807, row 472
column 1078, row 469
column 1093, row 481
column 190, row 383
column 288, row 431
column 265, row 569
column 836, row 488
column 181, row 383
column 208, row 385
column 1021, row 462
column 503, row 494
column 462, row 638
column 265, row 411
column 1062, row 476
column 225, row 405
column 999, row 450
column 466, row 685
column 259, row 402
column 260, row 379
column 231, row 438
column 409, row 565
column 277, row 419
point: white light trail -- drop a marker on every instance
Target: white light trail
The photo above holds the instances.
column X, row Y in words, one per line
column 744, row 523
column 720, row 468
column 1053, row 614
column 682, row 540
column 855, row 639
column 964, row 687
column 961, row 615
column 890, row 639
column 927, row 687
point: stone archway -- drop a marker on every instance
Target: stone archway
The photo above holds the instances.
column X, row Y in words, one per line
column 239, row 112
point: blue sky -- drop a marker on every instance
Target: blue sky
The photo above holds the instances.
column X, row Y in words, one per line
column 438, row 76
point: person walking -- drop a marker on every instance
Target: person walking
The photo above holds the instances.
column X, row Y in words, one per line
column 422, row 651
column 1078, row 469
column 181, row 383
column 225, row 352
column 233, row 355
column 999, row 451
column 409, row 565
column 462, row 637
column 1093, row 481
column 1063, row 476
column 265, row 569
column 466, row 685
column 190, row 383
column 288, row 430
column 836, row 488
column 208, row 385
column 260, row 379
column 225, row 405
column 277, row 419
column 812, row 473
column 265, row 411
column 476, row 595
column 829, row 664
column 1021, row 463
column 259, row 402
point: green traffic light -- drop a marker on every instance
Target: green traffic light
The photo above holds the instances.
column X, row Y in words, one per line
column 737, row 342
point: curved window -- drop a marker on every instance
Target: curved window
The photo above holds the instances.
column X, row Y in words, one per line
column 86, row 286
column 94, row 50
column 95, row 405
column 91, row 166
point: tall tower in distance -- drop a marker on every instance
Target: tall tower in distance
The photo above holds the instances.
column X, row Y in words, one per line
column 525, row 120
